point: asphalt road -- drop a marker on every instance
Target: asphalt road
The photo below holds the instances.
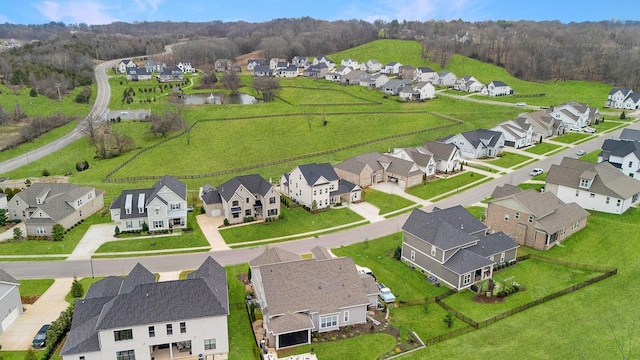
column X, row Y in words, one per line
column 99, row 108
column 103, row 267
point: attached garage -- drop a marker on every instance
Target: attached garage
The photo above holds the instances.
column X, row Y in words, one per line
column 216, row 212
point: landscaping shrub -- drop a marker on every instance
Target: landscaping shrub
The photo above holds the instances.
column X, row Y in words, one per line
column 45, row 173
column 117, row 231
column 82, row 165
column 58, row 330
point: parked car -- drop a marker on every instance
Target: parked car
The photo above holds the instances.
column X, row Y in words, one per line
column 385, row 294
column 575, row 128
column 581, row 152
column 536, row 172
column 433, row 280
column 365, row 270
column 521, row 104
column 40, row 339
column 589, row 130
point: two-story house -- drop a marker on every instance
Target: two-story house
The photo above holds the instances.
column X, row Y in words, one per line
column 371, row 168
column 624, row 155
column 477, row 143
column 136, row 317
column 371, row 66
column 531, row 218
column 42, row 205
column 392, row 68
column 317, row 186
column 600, row 187
column 496, row 88
column 241, row 197
column 425, row 74
column 10, row 302
column 163, row 206
column 518, row 133
column 544, row 125
column 125, row 64
column 617, row 97
column 574, row 114
column 452, row 245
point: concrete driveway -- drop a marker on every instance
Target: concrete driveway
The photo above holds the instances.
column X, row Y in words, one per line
column 209, row 226
column 46, row 309
column 367, row 211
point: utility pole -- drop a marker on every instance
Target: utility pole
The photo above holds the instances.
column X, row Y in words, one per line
column 58, row 88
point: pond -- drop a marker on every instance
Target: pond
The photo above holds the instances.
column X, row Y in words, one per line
column 218, row 99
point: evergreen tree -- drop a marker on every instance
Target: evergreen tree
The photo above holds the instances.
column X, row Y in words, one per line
column 57, row 232
column 77, row 291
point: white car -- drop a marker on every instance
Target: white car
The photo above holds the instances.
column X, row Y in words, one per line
column 575, row 128
column 536, row 172
column 521, row 104
column 581, row 152
column 589, row 130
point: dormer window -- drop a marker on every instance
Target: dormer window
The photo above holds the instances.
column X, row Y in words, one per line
column 585, row 183
column 39, row 201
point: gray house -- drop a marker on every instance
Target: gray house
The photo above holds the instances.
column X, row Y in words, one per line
column 477, row 143
column 10, row 303
column 452, row 245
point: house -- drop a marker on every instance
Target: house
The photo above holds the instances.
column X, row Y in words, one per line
column 242, row 197
column 276, row 64
column 407, row 93
column 316, row 71
column 252, row 63
column 424, row 74
column 338, row 73
column 125, row 64
column 477, row 143
column 432, row 157
column 468, row 84
column 374, row 81
column 154, row 66
column 300, row 61
column 290, row 71
column 163, row 206
column 138, row 74
column 574, row 114
column 371, row 66
column 372, row 168
column 630, row 135
column 3, row 201
column 392, row 68
column 601, row 187
column 517, row 133
column 425, row 161
column 531, row 218
column 317, row 186
column 622, row 154
column 632, row 102
column 171, row 74
column 406, row 72
column 262, row 71
column 354, row 77
column 300, row 296
column 452, row 245
column 544, row 125
column 186, row 67
column 496, row 88
column 324, row 60
column 393, row 86
column 221, row 65
column 616, row 97
column 425, row 90
column 445, row 78
column 10, row 302
column 353, row 64
column 136, row 317
column 43, row 205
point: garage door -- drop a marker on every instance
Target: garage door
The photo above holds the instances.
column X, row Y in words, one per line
column 402, row 183
column 216, row 212
column 9, row 319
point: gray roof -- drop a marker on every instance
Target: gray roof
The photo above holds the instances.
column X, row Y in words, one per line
column 608, row 180
column 254, row 183
column 465, row 261
column 274, row 255
column 480, row 136
column 175, row 185
column 621, row 148
column 321, row 253
column 499, row 83
column 344, row 187
column 202, row 294
column 289, row 322
column 107, row 287
column 418, row 157
column 493, row 244
column 313, row 172
column 505, row 190
column 356, row 164
column 630, row 134
column 624, row 91
column 440, row 150
column 57, row 199
column 6, row 278
column 563, row 217
column 402, row 167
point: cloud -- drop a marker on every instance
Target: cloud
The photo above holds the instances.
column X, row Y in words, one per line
column 420, row 10
column 75, row 11
column 152, row 4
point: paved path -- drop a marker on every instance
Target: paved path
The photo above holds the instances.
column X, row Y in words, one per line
column 367, row 211
column 210, row 227
column 46, row 309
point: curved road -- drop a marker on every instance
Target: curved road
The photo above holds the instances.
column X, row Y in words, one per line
column 99, row 108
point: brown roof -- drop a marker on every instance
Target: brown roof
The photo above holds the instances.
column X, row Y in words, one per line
column 274, row 255
column 505, row 190
column 288, row 323
column 321, row 253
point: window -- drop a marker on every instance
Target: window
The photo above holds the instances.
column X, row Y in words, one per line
column 141, row 210
column 530, row 218
column 608, row 198
column 618, row 202
column 328, row 321
column 247, row 200
column 630, row 163
column 183, row 327
column 584, row 183
column 175, row 206
column 38, row 201
column 158, row 224
column 81, row 358
column 128, row 224
column 272, row 200
column 126, row 355
column 272, row 212
column 491, row 258
column 314, row 193
column 592, row 195
column 575, row 225
column 577, row 193
column 346, row 316
column 127, row 210
column 247, row 212
column 517, row 215
column 152, row 331
column 466, row 279
column 120, row 335
column 80, row 202
column 169, row 329
column 235, row 215
column 506, row 217
column 433, row 250
column 563, row 231
column 90, row 196
column 17, row 202
column 234, row 203
column 41, row 230
column 320, row 191
column 413, row 255
column 210, row 344
column 501, row 257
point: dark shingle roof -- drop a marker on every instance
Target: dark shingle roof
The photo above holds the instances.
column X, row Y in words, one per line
column 465, row 261
column 493, row 244
column 107, row 287
column 446, row 229
column 313, row 172
column 505, row 190
column 273, row 256
column 57, row 199
column 630, row 134
column 6, row 278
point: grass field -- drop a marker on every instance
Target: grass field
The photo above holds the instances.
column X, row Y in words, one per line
column 241, row 341
column 386, row 202
column 440, row 186
column 542, row 148
column 571, row 137
column 31, row 287
column 296, row 221
column 509, row 160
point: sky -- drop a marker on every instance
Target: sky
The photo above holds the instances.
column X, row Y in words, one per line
column 106, row 11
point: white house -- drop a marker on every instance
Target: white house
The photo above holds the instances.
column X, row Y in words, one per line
column 632, row 102
column 136, row 317
column 252, row 63
column 275, row 64
column 496, row 88
column 10, row 303
column 424, row 74
column 600, row 187
column 575, row 114
column 624, row 155
column 425, row 89
column 371, row 66
column 477, row 143
column 324, row 60
column 393, row 86
column 162, row 206
column 445, row 78
column 517, row 133
column 124, row 64
column 616, row 97
column 354, row 64
column 3, row 201
column 290, row 71
column 317, row 186
column 392, row 68
column 185, row 67
column 374, row 81
column 300, row 61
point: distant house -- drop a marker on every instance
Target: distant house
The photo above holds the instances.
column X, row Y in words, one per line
column 221, row 65
column 136, row 317
column 316, row 71
column 186, row 67
column 425, row 90
column 622, row 154
column 252, row 63
column 300, row 61
column 445, row 78
column 290, row 71
column 452, row 245
column 616, row 97
column 10, row 302
column 544, row 125
column 43, row 205
column 324, row 60
column 353, row 64
column 538, row 220
column 406, row 72
column 517, row 133
column 432, row 157
column 630, row 135
column 372, row 168
column 3, row 201
column 125, row 64
column 371, row 66
column 354, row 77
column 335, row 295
column 407, row 93
column 374, row 81
column 574, row 114
column 601, row 187
column 393, row 86
column 262, row 71
column 496, row 88
column 425, row 74
column 154, row 66
column 632, row 102
column 163, row 206
column 242, row 197
column 392, row 68
column 277, row 64
column 477, row 143
column 138, row 74
column 318, row 185
column 171, row 74
column 468, row 83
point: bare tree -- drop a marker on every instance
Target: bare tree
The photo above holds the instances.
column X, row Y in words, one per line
column 91, row 126
column 231, row 81
column 266, row 86
column 168, row 122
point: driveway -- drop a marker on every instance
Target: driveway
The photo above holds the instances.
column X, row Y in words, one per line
column 367, row 211
column 209, row 226
column 46, row 309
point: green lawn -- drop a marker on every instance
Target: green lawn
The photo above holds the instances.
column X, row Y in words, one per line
column 542, row 148
column 477, row 211
column 592, row 156
column 526, row 186
column 386, row 202
column 38, row 142
column 33, row 287
column 440, row 186
column 427, row 324
column 241, row 342
column 571, row 137
column 508, row 160
column 366, row 346
column 21, row 355
column 296, row 221
column 377, row 255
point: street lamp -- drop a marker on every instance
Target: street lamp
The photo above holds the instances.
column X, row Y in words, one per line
column 91, row 264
